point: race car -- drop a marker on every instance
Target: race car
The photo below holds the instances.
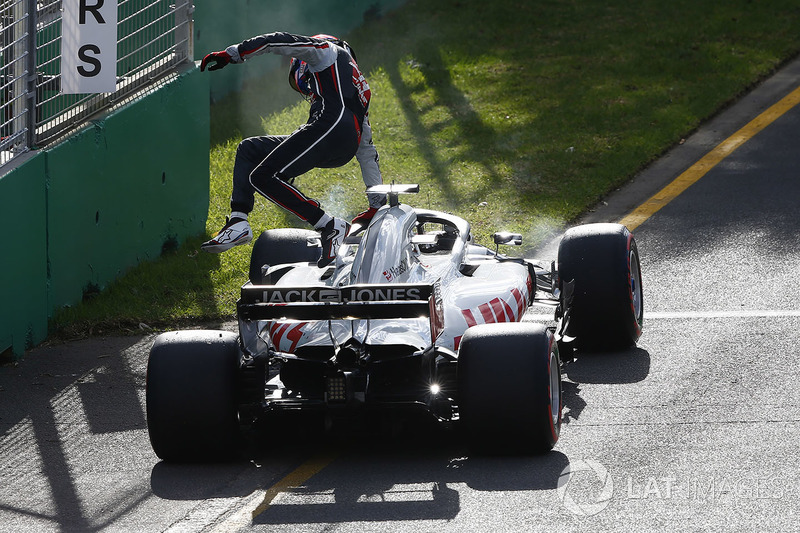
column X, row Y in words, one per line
column 413, row 316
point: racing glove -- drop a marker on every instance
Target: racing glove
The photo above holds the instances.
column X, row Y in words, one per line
column 362, row 219
column 216, row 60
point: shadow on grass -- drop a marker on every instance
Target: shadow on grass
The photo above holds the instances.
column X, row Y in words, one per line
column 472, row 132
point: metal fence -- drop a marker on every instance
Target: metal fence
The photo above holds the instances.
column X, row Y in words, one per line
column 153, row 38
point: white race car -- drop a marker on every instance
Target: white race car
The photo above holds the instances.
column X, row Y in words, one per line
column 411, row 316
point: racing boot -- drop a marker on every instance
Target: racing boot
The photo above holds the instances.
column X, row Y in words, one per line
column 332, row 238
column 236, row 231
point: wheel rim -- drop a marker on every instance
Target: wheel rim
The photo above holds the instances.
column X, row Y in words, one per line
column 555, row 389
column 636, row 285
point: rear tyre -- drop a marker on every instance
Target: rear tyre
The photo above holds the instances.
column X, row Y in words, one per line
column 192, row 395
column 509, row 383
column 601, row 286
column 279, row 246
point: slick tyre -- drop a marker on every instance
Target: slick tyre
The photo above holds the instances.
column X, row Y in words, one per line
column 509, row 383
column 192, row 396
column 281, row 246
column 601, row 286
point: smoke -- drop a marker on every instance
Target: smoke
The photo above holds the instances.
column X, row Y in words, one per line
column 541, row 238
column 335, row 203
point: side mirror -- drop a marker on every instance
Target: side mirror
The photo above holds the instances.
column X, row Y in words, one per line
column 505, row 237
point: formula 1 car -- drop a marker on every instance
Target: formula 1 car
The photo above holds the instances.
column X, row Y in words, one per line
column 412, row 316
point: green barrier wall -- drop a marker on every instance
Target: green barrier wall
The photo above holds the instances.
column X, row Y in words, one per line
column 23, row 257
column 84, row 211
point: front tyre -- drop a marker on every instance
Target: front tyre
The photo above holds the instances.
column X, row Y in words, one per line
column 509, row 383
column 601, row 286
column 192, row 391
column 281, row 246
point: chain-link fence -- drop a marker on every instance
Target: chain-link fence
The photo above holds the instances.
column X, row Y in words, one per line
column 153, row 37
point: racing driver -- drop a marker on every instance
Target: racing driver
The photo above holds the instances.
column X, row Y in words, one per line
column 324, row 70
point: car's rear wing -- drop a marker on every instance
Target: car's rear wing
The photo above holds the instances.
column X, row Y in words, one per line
column 351, row 302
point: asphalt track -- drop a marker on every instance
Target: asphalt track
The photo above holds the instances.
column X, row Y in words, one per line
column 695, row 429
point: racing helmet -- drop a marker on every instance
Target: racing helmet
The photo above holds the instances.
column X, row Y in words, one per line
column 298, row 76
column 298, row 70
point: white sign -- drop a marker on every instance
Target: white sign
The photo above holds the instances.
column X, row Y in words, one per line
column 89, row 46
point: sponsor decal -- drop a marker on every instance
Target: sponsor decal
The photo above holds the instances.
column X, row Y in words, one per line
column 356, row 293
column 396, row 271
column 291, row 331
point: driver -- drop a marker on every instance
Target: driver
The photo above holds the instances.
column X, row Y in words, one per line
column 324, row 70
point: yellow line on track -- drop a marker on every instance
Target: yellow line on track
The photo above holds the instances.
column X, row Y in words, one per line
column 635, row 218
column 295, row 478
column 260, row 500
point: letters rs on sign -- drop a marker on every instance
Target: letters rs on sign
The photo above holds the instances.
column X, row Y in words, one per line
column 89, row 46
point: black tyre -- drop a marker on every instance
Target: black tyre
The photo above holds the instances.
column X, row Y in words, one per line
column 279, row 246
column 191, row 395
column 509, row 388
column 601, row 286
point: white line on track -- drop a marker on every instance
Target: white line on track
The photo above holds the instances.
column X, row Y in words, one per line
column 678, row 315
column 741, row 313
